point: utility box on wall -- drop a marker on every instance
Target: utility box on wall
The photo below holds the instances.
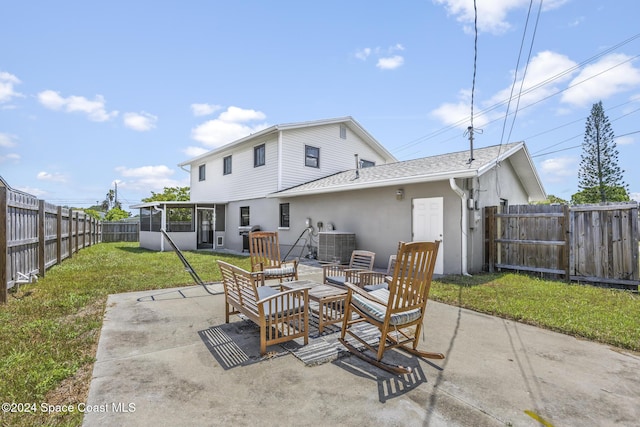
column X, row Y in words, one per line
column 336, row 246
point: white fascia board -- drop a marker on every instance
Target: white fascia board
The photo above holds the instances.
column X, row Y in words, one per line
column 375, row 184
column 173, row 203
column 229, row 145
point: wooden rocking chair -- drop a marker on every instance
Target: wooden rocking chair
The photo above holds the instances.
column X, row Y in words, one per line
column 398, row 312
column 264, row 250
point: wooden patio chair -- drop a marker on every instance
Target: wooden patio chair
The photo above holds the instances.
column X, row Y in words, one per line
column 264, row 250
column 398, row 312
column 372, row 280
column 337, row 274
column 281, row 315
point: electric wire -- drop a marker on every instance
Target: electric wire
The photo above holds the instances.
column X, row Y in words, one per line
column 537, row 86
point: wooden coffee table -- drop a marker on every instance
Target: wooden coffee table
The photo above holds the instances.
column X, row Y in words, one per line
column 330, row 300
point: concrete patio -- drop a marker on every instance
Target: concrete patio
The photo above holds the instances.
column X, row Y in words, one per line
column 154, row 368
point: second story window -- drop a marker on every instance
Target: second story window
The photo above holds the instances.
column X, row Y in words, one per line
column 226, row 165
column 258, row 155
column 202, row 172
column 366, row 163
column 311, row 156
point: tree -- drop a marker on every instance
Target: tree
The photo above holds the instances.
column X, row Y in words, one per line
column 169, row 194
column 116, row 214
column 592, row 195
column 600, row 177
column 551, row 199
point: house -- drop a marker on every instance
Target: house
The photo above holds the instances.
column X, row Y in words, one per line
column 303, row 176
column 229, row 184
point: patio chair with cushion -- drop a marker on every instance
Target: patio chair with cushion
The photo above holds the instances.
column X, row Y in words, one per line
column 281, row 315
column 398, row 312
column 337, row 274
column 264, row 250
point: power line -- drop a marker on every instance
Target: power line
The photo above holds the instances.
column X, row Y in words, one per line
column 527, row 91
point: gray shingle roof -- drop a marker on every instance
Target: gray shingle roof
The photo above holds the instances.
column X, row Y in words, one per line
column 425, row 169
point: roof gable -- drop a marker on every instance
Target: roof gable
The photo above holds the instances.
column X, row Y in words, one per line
column 352, row 124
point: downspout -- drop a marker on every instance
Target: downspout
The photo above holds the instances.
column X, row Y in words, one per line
column 163, row 225
column 465, row 222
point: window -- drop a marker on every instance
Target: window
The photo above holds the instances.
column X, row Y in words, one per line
column 244, row 216
column 180, row 219
column 258, row 155
column 311, row 156
column 226, row 165
column 145, row 219
column 366, row 163
column 343, row 131
column 284, row 215
column 202, row 172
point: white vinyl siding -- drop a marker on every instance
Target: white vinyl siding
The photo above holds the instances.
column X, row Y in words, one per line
column 246, row 181
column 337, row 153
column 284, row 163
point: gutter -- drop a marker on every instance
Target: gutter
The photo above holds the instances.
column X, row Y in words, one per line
column 465, row 222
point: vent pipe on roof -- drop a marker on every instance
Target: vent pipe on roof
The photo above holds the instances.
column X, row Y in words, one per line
column 357, row 166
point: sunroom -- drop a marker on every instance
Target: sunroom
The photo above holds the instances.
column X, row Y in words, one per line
column 192, row 226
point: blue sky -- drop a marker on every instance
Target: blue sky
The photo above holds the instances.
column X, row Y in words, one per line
column 93, row 93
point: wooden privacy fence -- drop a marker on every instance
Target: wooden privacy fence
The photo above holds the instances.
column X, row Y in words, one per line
column 590, row 243
column 34, row 235
column 120, row 231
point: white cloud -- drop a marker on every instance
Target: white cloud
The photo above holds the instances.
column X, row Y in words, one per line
column 33, row 191
column 387, row 59
column 557, row 170
column 545, row 71
column 10, row 157
column 94, row 109
column 236, row 114
column 192, row 151
column 459, row 113
column 204, row 109
column 625, row 140
column 140, row 121
column 145, row 171
column 148, row 178
column 545, row 74
column 492, row 15
column 7, row 90
column 363, row 54
column 7, row 140
column 229, row 126
column 612, row 74
column 390, row 63
column 635, row 196
column 53, row 177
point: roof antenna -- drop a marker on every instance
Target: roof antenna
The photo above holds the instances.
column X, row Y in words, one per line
column 357, row 166
column 470, row 131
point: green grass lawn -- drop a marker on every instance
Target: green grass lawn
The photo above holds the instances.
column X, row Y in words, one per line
column 49, row 330
column 606, row 315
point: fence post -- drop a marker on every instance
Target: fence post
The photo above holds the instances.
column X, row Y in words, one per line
column 491, row 231
column 70, row 239
column 42, row 238
column 59, row 236
column 3, row 245
column 566, row 229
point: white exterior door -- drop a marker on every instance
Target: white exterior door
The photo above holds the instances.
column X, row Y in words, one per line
column 428, row 224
